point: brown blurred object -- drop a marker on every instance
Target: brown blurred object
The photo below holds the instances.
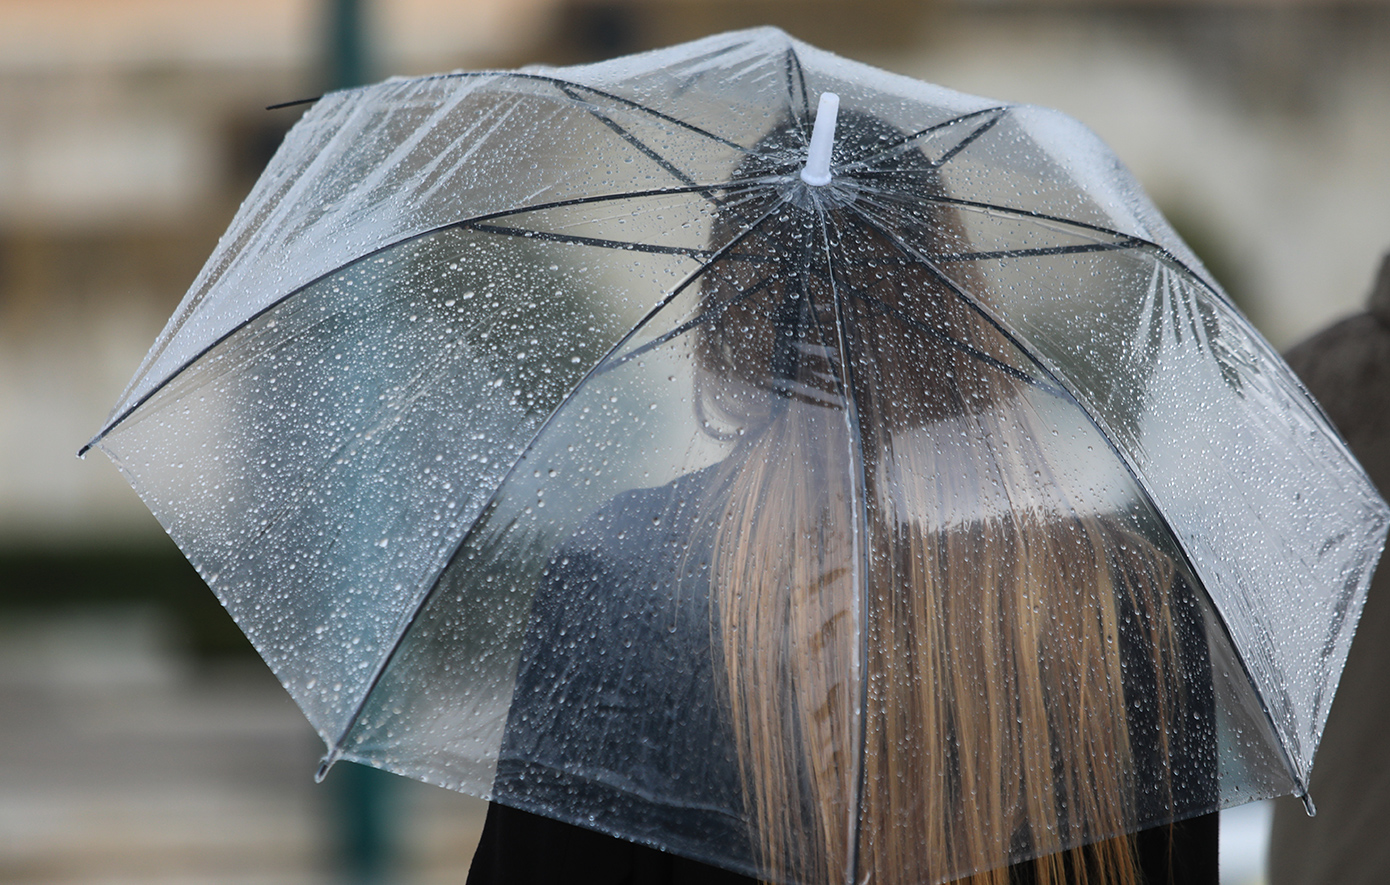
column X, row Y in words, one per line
column 590, row 30
column 1347, row 368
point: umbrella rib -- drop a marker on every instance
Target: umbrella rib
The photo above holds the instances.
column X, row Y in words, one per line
column 646, row 149
column 1031, row 214
column 893, row 147
column 1034, row 215
column 1130, row 243
column 403, row 625
column 796, row 83
column 712, row 313
column 1135, row 242
column 653, row 111
column 575, row 239
column 968, row 140
column 292, row 103
column 956, row 344
column 462, row 224
column 601, row 243
column 861, row 522
column 749, row 185
column 976, row 256
column 561, row 82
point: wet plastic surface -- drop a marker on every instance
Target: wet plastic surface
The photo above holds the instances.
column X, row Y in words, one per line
column 555, row 442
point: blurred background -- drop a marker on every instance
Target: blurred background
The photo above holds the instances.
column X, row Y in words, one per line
column 141, row 740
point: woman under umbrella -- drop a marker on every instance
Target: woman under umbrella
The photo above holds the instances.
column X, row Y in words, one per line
column 927, row 638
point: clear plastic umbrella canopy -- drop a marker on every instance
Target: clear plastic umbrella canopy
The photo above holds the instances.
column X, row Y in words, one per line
column 585, row 440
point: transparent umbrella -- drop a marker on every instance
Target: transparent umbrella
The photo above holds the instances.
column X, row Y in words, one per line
column 820, row 491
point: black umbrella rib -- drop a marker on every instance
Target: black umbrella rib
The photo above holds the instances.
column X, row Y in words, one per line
column 859, row 499
column 796, row 85
column 897, row 144
column 1134, row 241
column 705, row 316
column 1033, row 215
column 409, row 618
column 726, row 186
column 289, row 104
column 1131, row 243
column 625, row 245
column 1006, row 253
column 629, row 245
column 251, row 318
column 646, row 149
column 963, row 347
column 675, row 121
column 1125, row 241
column 968, row 140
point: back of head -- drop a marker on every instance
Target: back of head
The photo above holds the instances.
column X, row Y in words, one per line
column 923, row 634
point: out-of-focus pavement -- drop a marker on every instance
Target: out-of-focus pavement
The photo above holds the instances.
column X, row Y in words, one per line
column 119, row 763
column 123, row 764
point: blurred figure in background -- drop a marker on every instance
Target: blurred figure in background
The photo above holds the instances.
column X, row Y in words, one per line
column 1347, row 368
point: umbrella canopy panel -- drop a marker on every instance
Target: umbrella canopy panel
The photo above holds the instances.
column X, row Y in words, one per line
column 321, row 465
column 498, row 374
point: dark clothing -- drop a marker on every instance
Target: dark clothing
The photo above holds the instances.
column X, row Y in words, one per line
column 638, row 741
column 518, row 848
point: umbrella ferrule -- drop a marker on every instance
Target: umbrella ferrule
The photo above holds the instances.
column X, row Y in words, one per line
column 816, row 172
column 327, row 762
column 1308, row 806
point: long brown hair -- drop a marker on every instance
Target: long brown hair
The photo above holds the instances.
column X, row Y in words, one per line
column 920, row 624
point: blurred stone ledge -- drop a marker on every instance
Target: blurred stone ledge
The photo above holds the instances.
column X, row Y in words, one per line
column 124, row 760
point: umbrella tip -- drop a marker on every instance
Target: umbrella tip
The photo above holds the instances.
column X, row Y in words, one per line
column 1308, row 805
column 817, row 169
column 324, row 765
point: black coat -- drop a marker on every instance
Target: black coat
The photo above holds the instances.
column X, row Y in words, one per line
column 633, row 742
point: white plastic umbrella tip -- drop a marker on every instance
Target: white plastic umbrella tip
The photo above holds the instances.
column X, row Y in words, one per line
column 817, row 169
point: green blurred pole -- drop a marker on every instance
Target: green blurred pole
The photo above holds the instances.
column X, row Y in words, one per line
column 365, row 823
column 349, row 59
column 364, row 816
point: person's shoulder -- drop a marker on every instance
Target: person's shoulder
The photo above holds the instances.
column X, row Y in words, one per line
column 641, row 518
column 640, row 507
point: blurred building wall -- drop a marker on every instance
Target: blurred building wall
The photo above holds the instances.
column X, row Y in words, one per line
column 129, row 132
